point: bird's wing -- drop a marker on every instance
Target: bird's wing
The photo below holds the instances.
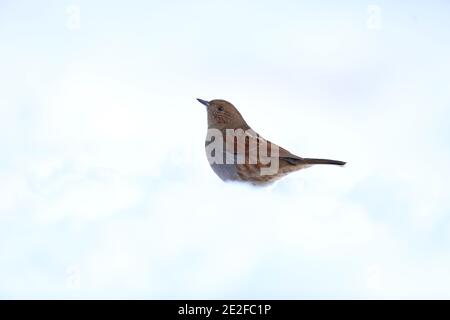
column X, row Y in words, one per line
column 249, row 143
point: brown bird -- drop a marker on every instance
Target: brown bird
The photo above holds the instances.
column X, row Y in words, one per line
column 237, row 153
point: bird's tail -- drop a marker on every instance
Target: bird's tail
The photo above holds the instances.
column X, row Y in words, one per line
column 323, row 161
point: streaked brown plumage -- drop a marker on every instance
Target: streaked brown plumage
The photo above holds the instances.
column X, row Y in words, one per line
column 222, row 115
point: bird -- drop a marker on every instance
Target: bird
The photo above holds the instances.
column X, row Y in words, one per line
column 237, row 153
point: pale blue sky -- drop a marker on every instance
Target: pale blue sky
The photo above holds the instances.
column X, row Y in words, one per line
column 105, row 190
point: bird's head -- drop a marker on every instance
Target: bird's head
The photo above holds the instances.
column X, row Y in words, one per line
column 223, row 115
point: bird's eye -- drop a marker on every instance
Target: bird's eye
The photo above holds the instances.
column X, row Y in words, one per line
column 220, row 109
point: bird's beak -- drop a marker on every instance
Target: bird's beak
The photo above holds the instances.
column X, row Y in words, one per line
column 204, row 102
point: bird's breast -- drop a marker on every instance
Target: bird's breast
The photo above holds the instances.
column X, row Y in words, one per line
column 226, row 172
